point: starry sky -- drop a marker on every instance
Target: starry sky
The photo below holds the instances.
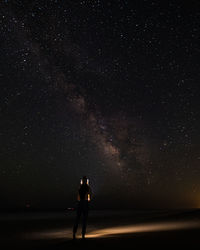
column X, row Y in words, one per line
column 107, row 89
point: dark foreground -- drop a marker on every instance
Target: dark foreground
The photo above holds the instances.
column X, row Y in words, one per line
column 106, row 229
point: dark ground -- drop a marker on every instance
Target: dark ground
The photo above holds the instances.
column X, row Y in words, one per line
column 177, row 228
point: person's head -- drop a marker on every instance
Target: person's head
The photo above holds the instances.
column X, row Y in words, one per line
column 84, row 180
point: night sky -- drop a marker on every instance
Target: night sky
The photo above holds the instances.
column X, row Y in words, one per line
column 107, row 89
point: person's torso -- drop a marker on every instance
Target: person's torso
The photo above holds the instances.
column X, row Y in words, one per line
column 83, row 192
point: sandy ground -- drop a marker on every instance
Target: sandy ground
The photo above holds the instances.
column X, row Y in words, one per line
column 106, row 229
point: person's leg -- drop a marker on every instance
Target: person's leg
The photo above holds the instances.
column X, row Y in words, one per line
column 78, row 215
column 85, row 217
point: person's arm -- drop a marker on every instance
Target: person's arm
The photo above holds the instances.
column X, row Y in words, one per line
column 78, row 196
column 89, row 194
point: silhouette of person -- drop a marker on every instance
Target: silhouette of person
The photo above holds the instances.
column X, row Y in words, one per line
column 84, row 196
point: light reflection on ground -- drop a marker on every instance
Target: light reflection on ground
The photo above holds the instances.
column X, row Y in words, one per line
column 165, row 226
column 116, row 231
